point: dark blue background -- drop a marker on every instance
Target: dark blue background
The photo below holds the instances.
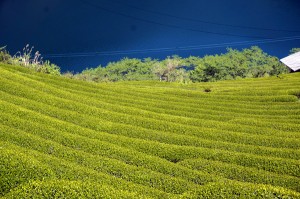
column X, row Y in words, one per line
column 78, row 26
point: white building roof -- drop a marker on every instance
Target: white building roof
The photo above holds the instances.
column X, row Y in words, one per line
column 292, row 61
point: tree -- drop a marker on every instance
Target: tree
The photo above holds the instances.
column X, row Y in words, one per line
column 252, row 62
column 123, row 70
column 160, row 71
column 171, row 69
column 4, row 55
column 294, row 50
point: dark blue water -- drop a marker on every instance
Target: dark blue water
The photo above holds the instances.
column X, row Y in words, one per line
column 87, row 26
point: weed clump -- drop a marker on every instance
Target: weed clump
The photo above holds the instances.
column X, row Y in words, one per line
column 29, row 59
column 207, row 90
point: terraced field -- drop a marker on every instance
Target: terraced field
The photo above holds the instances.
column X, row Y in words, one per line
column 62, row 138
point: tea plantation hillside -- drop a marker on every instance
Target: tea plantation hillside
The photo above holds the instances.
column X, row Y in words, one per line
column 64, row 138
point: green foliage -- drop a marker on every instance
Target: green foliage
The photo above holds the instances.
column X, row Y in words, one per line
column 68, row 74
column 4, row 55
column 242, row 173
column 28, row 60
column 240, row 190
column 125, row 69
column 17, row 168
column 68, row 189
column 49, row 68
column 295, row 93
column 235, row 64
column 149, row 138
column 171, row 70
column 294, row 50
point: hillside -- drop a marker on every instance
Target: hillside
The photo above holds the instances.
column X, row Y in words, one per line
column 64, row 138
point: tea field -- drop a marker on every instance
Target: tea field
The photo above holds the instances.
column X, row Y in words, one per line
column 64, row 138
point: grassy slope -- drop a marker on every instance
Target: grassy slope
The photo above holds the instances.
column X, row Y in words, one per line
column 66, row 138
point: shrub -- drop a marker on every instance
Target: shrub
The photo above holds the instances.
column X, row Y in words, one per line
column 295, row 93
column 49, row 68
column 68, row 189
column 17, row 168
column 28, row 60
column 207, row 89
column 240, row 190
column 4, row 55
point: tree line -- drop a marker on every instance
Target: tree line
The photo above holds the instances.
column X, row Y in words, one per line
column 234, row 64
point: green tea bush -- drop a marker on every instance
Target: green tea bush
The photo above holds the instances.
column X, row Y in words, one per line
column 67, row 170
column 178, row 153
column 105, row 165
column 17, row 168
column 75, row 87
column 294, row 93
column 242, row 173
column 159, row 125
column 111, row 166
column 277, row 165
column 241, row 190
column 152, row 139
column 68, row 189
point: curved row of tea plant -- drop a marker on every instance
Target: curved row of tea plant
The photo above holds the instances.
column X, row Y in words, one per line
column 148, row 139
column 272, row 164
column 142, row 121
